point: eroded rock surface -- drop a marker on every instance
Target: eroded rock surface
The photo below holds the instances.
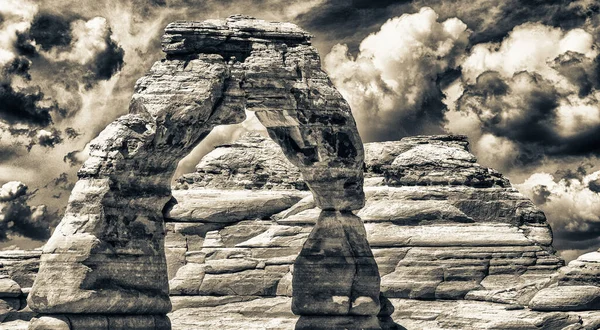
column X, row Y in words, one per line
column 455, row 245
column 452, row 256
column 107, row 255
column 472, row 239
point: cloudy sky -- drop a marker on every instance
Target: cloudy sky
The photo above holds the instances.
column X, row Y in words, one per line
column 521, row 78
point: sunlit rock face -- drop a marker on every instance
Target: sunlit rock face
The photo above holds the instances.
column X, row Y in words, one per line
column 456, row 246
column 452, row 255
column 107, row 255
column 267, row 226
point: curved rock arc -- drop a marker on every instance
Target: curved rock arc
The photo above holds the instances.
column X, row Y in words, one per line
column 107, row 255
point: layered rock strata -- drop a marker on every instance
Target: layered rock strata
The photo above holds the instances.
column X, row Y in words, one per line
column 107, row 255
column 18, row 269
column 230, row 263
column 440, row 226
column 574, row 287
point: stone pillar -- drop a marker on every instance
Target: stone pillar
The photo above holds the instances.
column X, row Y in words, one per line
column 336, row 280
column 107, row 257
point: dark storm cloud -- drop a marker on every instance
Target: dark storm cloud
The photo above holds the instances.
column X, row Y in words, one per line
column 491, row 99
column 72, row 158
column 71, row 133
column 594, row 185
column 526, row 109
column 24, row 46
column 49, row 30
column 48, row 139
column 578, row 173
column 536, row 93
column 17, row 217
column 24, row 106
column 348, row 22
column 19, row 66
column 61, row 182
column 51, row 55
column 107, row 62
column 9, row 152
column 559, row 13
column 77, row 48
column 579, row 70
column 577, row 238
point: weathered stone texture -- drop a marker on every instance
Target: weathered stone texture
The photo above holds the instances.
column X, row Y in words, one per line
column 20, row 265
column 451, row 256
column 455, row 245
column 440, row 241
column 279, row 75
column 252, row 162
column 486, row 245
column 107, row 255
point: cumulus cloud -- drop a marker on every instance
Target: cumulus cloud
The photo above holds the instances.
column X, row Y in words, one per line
column 572, row 206
column 17, row 217
column 536, row 91
column 91, row 46
column 393, row 84
column 47, row 139
column 12, row 190
column 20, row 101
column 47, row 62
column 349, row 22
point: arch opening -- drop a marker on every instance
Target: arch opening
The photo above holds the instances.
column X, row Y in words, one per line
column 107, row 255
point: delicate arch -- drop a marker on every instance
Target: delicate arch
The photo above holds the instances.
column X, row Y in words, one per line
column 107, row 255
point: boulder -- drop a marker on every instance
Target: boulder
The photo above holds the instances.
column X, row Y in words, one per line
column 567, row 298
column 9, row 288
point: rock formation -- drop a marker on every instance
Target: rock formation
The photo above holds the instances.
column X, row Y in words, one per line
column 107, row 255
column 266, row 226
column 18, row 269
column 457, row 246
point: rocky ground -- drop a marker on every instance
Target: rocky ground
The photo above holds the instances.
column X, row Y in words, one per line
column 457, row 247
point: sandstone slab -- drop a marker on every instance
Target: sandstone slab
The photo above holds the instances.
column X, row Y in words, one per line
column 566, row 298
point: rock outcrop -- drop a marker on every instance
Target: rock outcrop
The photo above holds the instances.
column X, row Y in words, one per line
column 467, row 253
column 442, row 228
column 18, row 269
column 107, row 255
column 267, row 227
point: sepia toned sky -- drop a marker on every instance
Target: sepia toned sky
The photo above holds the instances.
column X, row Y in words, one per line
column 520, row 78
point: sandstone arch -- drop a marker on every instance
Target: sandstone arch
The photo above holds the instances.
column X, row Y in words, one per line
column 107, row 256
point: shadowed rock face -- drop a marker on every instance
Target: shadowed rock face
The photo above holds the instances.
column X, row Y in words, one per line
column 107, row 255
